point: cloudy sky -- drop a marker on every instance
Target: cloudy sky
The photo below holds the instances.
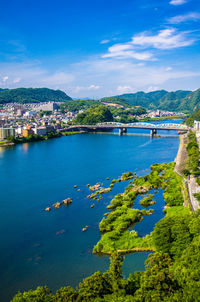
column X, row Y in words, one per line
column 96, row 48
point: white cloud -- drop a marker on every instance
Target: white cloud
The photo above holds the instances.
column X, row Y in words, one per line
column 177, row 2
column 5, row 79
column 183, row 18
column 126, row 51
column 124, row 89
column 96, row 77
column 165, row 39
column 104, row 41
column 168, row 68
column 86, row 88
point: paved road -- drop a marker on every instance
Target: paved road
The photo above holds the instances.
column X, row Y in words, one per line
column 193, row 187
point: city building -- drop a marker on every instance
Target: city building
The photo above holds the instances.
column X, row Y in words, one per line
column 26, row 132
column 6, row 132
column 40, row 130
column 196, row 125
column 50, row 106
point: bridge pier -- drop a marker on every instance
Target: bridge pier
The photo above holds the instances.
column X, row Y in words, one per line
column 153, row 132
column 122, row 130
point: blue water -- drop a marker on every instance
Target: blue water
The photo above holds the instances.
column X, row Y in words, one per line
column 40, row 248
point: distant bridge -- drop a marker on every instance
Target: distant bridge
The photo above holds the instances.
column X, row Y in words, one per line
column 123, row 127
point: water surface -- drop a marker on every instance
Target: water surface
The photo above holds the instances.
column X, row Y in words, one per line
column 40, row 248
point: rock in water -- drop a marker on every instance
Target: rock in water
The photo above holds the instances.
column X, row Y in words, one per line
column 67, row 201
column 57, row 205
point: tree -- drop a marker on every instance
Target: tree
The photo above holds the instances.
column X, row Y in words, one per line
column 66, row 294
column 94, row 115
column 157, row 282
column 171, row 235
column 41, row 294
column 187, row 271
column 115, row 272
column 94, row 286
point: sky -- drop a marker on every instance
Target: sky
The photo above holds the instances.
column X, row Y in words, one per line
column 98, row 48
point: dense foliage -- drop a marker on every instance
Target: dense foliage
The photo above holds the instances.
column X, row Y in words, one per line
column 127, row 115
column 32, row 95
column 114, row 227
column 194, row 117
column 94, row 115
column 33, row 138
column 115, row 100
column 170, row 275
column 180, row 100
column 193, row 154
column 77, row 105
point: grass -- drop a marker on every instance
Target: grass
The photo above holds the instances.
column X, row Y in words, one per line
column 115, row 225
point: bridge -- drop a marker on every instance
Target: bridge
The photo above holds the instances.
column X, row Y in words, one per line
column 123, row 127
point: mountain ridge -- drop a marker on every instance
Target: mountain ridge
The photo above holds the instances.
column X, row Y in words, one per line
column 32, row 95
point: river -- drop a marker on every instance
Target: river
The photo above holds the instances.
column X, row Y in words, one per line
column 49, row 248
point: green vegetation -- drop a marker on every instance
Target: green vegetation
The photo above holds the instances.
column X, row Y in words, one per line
column 194, row 117
column 163, row 100
column 163, row 118
column 94, row 115
column 32, row 95
column 147, row 201
column 193, row 154
column 77, row 105
column 191, row 102
column 115, row 100
column 114, row 227
column 34, row 138
column 127, row 115
column 171, row 273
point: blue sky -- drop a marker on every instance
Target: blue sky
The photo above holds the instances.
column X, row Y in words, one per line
column 100, row 48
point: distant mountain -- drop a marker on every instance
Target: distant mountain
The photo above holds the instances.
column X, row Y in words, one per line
column 180, row 100
column 173, row 100
column 191, row 102
column 147, row 100
column 32, row 95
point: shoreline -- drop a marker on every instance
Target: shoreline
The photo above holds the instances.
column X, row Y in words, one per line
column 180, row 162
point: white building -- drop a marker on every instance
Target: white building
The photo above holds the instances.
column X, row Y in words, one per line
column 29, row 113
column 197, row 125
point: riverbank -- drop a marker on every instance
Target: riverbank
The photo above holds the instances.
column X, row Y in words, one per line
column 6, row 144
column 181, row 157
column 36, row 138
column 148, row 119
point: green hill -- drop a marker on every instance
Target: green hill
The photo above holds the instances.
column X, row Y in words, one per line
column 180, row 100
column 32, row 95
column 191, row 102
column 147, row 100
column 94, row 115
column 76, row 105
column 194, row 117
column 115, row 100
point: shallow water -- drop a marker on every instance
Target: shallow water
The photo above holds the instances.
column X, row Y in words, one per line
column 40, row 248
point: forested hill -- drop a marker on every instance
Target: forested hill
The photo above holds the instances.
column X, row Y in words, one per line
column 32, row 95
column 180, row 100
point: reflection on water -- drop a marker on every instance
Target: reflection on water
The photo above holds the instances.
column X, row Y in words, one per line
column 25, row 147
